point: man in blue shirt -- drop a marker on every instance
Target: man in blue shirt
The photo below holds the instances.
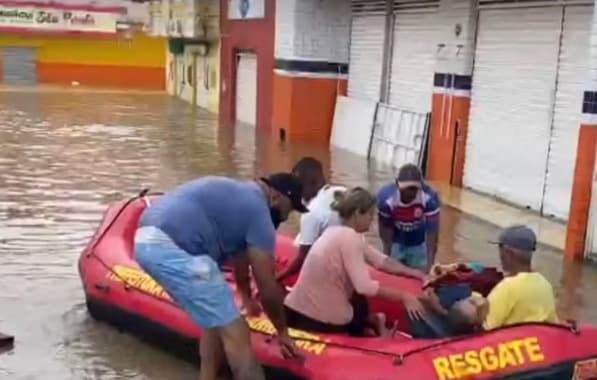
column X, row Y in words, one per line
column 185, row 236
column 409, row 219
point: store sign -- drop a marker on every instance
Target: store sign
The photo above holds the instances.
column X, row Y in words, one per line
column 57, row 19
column 246, row 9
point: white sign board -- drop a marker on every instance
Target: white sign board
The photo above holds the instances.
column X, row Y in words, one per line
column 246, row 9
column 58, row 18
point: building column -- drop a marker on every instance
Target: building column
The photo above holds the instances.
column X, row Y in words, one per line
column 311, row 65
column 451, row 95
column 584, row 171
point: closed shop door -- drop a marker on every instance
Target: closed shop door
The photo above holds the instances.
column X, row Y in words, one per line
column 573, row 69
column 367, row 36
column 202, row 82
column 246, row 88
column 18, row 66
column 413, row 59
column 512, row 102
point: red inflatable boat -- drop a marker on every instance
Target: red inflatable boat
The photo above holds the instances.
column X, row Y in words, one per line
column 118, row 292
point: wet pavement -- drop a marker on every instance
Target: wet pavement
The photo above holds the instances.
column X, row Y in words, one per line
column 64, row 156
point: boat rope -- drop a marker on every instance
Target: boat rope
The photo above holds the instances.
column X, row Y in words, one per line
column 398, row 357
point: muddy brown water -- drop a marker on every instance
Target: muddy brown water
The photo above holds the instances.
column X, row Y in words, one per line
column 65, row 156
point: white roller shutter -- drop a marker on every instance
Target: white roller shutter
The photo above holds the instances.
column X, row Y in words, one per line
column 413, row 59
column 511, row 105
column 573, row 69
column 246, row 89
column 366, row 49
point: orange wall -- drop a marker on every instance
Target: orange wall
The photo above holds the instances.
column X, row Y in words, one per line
column 447, row 142
column 304, row 107
column 106, row 62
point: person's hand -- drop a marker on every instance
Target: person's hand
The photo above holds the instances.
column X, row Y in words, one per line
column 414, row 307
column 432, row 300
column 251, row 307
column 288, row 347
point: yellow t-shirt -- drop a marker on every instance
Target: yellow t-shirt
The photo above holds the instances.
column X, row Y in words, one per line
column 526, row 297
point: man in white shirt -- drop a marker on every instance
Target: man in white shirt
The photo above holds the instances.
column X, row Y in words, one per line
column 319, row 196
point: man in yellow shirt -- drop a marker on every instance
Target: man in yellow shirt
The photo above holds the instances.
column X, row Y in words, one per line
column 524, row 295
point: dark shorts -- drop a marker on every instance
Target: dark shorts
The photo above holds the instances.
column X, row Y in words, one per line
column 356, row 327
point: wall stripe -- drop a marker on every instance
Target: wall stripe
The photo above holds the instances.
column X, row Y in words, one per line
column 318, row 67
column 442, row 81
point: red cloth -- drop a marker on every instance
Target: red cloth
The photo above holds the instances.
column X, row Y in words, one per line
column 481, row 282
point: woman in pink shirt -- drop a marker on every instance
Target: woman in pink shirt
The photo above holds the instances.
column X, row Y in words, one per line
column 329, row 295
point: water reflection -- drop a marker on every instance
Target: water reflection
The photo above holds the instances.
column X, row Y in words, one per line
column 65, row 156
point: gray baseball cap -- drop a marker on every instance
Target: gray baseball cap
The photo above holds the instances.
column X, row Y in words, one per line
column 518, row 237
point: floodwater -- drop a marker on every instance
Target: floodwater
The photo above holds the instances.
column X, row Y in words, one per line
column 64, row 156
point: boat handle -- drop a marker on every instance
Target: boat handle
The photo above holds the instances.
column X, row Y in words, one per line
column 102, row 287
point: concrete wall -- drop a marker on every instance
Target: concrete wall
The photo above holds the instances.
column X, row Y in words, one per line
column 254, row 35
column 311, row 51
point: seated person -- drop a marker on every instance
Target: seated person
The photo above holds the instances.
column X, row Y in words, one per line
column 331, row 290
column 454, row 299
column 524, row 295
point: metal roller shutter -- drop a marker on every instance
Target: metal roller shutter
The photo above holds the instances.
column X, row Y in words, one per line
column 511, row 104
column 19, row 67
column 367, row 36
column 246, row 89
column 573, row 69
column 413, row 57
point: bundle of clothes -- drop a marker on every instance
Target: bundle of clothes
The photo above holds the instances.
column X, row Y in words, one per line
column 455, row 300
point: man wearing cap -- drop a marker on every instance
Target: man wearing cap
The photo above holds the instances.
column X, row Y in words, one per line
column 187, row 233
column 409, row 212
column 524, row 295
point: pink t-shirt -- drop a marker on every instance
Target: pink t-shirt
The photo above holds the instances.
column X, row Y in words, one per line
column 336, row 266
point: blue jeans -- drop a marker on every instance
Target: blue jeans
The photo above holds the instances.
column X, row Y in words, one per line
column 195, row 283
column 412, row 256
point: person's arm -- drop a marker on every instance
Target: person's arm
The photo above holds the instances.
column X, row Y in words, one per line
column 389, row 265
column 242, row 277
column 296, row 264
column 385, row 223
column 432, row 217
column 261, row 242
column 353, row 256
column 310, row 230
column 354, row 262
column 271, row 294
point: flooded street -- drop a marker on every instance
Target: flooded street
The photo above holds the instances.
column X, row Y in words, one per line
column 65, row 156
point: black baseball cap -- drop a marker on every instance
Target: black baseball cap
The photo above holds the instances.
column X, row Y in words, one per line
column 518, row 237
column 288, row 185
column 409, row 175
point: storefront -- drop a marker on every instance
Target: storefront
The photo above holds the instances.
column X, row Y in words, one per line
column 76, row 44
column 531, row 65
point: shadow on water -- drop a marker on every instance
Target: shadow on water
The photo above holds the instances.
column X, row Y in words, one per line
column 65, row 156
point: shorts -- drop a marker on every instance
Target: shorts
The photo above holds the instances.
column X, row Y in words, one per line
column 195, row 283
column 412, row 256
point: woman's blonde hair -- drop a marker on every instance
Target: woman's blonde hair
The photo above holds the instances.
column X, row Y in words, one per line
column 347, row 203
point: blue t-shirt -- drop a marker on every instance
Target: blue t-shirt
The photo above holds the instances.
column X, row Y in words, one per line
column 215, row 216
column 411, row 222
